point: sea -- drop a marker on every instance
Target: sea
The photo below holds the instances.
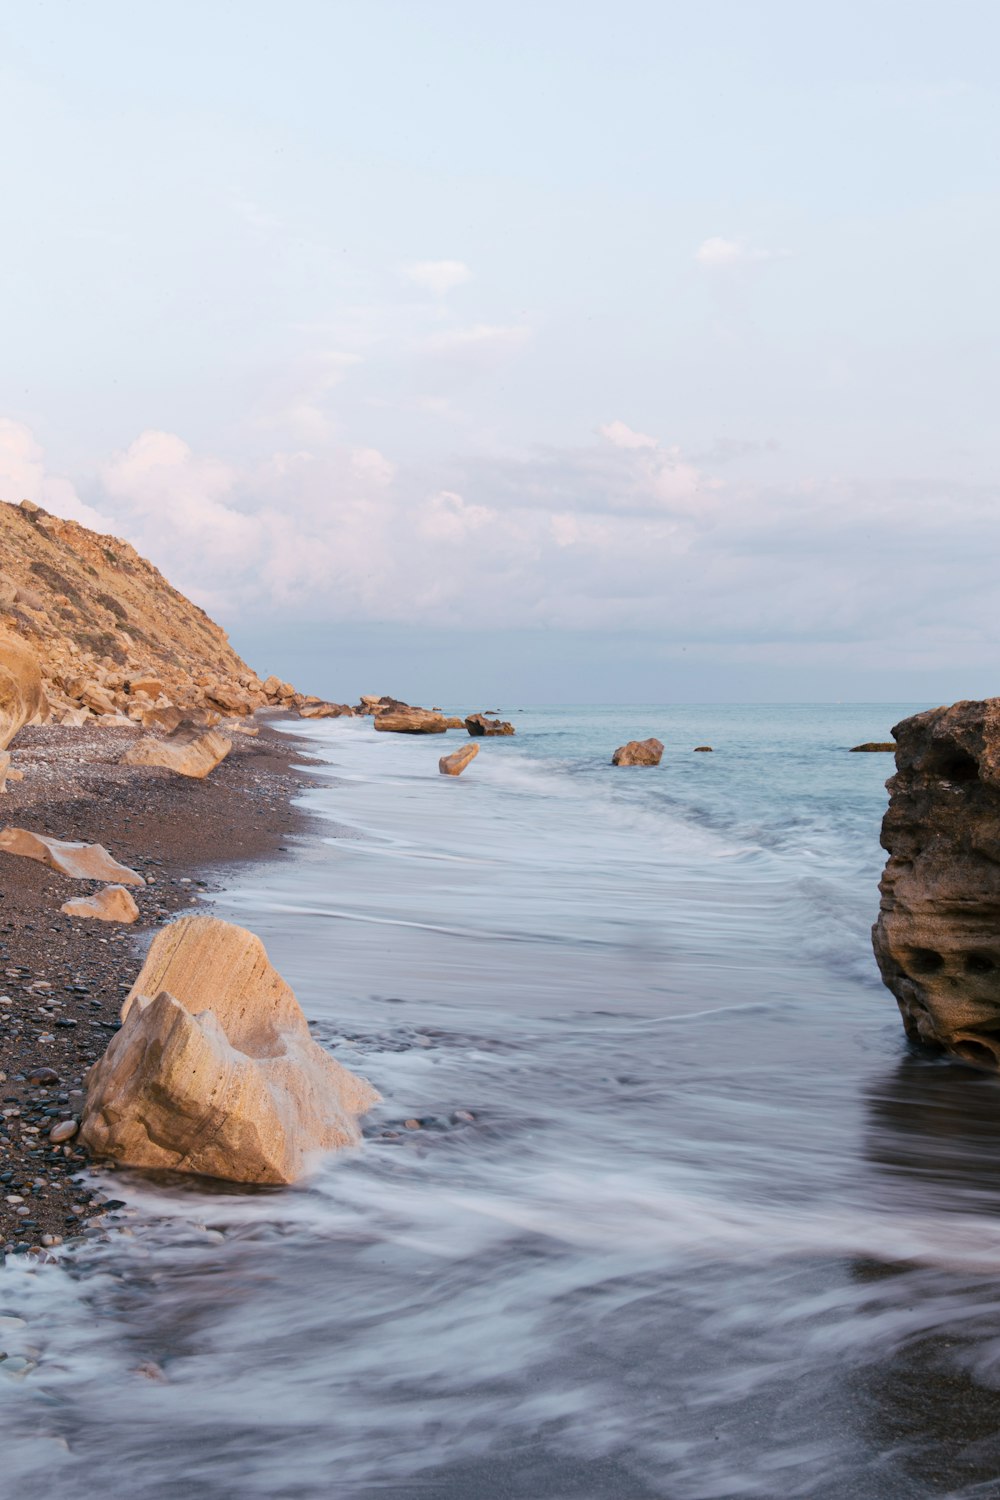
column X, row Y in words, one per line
column 658, row 1202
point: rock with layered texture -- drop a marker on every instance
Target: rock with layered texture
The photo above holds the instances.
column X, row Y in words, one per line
column 214, row 1070
column 113, row 903
column 80, row 861
column 639, row 753
column 405, row 720
column 937, row 938
column 317, row 709
column 455, row 763
column 479, row 724
column 21, row 696
column 187, row 753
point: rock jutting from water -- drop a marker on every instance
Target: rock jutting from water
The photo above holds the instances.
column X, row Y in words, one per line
column 479, row 724
column 874, row 746
column 214, row 1070
column 405, row 720
column 639, row 753
column 937, row 938
column 455, row 763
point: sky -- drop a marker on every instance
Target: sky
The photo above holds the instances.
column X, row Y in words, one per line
column 551, row 352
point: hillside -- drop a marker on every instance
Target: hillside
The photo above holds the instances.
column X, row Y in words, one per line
column 113, row 636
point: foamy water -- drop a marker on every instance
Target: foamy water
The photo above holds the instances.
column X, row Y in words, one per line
column 711, row 1231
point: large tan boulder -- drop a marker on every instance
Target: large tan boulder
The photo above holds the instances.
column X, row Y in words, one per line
column 113, row 903
column 936, row 938
column 21, row 695
column 405, row 720
column 165, row 716
column 214, row 1070
column 80, row 861
column 187, row 752
column 479, row 724
column 455, row 763
column 639, row 753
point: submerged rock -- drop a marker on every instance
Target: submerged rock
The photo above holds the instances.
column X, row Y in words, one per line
column 214, row 1070
column 455, row 763
column 639, row 753
column 21, row 695
column 111, row 904
column 873, row 745
column 81, row 861
column 937, row 938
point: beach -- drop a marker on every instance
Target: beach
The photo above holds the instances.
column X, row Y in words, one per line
column 658, row 1201
column 63, row 979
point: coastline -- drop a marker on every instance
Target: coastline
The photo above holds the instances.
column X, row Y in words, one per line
column 62, row 980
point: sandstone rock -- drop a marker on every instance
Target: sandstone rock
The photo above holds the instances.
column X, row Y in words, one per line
column 639, row 753
column 75, row 718
column 320, row 710
column 937, row 938
column 704, row 749
column 186, row 752
column 21, row 695
column 214, row 1070
column 4, row 768
column 454, row 723
column 409, row 721
column 455, row 763
column 874, row 745
column 81, row 861
column 93, row 696
column 113, row 903
column 150, row 685
column 166, row 717
column 272, row 685
column 478, row 724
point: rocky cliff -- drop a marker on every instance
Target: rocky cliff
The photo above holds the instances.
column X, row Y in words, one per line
column 111, row 634
column 937, row 938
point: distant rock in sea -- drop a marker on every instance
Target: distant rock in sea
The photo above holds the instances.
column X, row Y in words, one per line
column 639, row 753
column 875, row 745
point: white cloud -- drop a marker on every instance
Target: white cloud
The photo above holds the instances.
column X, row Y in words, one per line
column 625, row 437
column 438, row 276
column 718, row 253
column 479, row 340
column 24, row 476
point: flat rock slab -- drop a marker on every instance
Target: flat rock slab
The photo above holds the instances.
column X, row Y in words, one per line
column 186, row 754
column 80, row 861
column 214, row 1070
column 410, row 721
column 455, row 763
column 112, row 904
column 875, row 745
column 639, row 753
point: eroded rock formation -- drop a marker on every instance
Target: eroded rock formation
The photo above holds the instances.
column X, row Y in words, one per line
column 937, row 938
column 21, row 695
column 214, row 1070
column 187, row 753
column 479, row 724
column 639, row 753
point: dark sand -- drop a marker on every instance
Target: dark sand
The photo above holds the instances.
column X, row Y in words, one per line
column 62, row 980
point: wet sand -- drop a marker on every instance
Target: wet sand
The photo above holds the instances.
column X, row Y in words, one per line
column 62, row 980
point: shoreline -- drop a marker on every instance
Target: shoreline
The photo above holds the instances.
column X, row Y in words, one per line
column 62, row 980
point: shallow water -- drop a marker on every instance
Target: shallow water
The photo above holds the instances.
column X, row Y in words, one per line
column 713, row 1231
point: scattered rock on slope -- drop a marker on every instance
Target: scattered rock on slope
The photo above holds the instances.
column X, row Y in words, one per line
column 214, row 1070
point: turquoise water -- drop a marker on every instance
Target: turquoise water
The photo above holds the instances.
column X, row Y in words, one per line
column 684, row 1217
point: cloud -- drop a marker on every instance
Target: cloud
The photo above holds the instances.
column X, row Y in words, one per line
column 24, row 476
column 439, row 277
column 625, row 437
column 718, row 253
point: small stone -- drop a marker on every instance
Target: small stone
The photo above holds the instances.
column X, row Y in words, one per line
column 43, row 1075
column 51, row 1239
column 64, row 1131
column 413, row 1124
column 463, row 1117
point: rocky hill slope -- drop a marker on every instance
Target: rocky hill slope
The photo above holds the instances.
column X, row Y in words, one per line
column 113, row 637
